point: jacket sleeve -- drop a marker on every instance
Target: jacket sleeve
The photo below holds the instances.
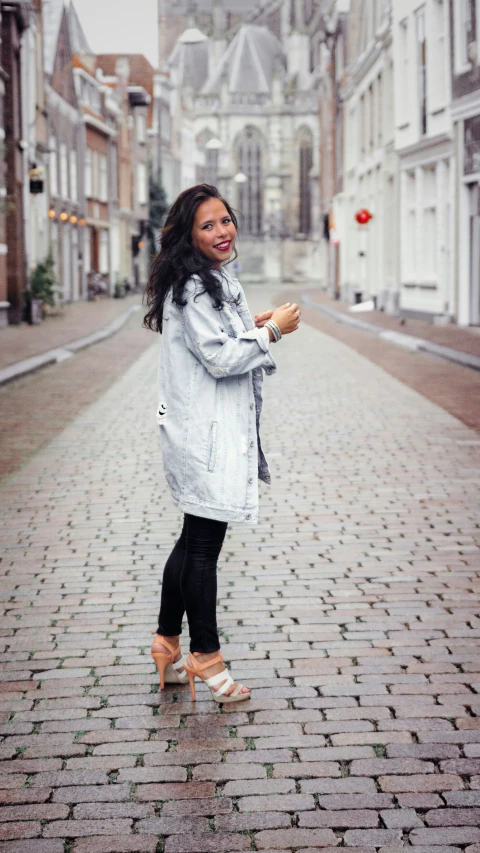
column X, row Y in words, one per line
column 220, row 354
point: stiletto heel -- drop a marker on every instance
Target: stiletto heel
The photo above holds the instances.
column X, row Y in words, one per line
column 194, row 669
column 168, row 669
column 191, row 679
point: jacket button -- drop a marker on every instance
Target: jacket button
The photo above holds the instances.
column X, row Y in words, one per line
column 248, row 517
column 250, row 480
column 252, row 443
column 252, row 405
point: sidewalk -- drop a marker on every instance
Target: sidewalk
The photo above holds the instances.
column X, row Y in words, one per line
column 76, row 321
column 455, row 343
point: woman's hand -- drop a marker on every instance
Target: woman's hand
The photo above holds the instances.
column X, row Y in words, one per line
column 261, row 319
column 287, row 318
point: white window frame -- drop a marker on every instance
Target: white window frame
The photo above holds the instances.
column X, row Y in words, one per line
column 103, row 252
column 461, row 60
column 422, row 85
column 404, row 78
column 88, row 173
column 63, row 170
column 102, row 177
column 439, row 57
column 73, row 175
column 142, row 195
column 53, row 166
column 141, row 128
column 95, row 178
column 429, row 205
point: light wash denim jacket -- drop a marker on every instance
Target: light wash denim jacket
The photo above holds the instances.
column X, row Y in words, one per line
column 209, row 404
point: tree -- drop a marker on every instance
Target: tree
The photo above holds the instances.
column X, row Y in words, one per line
column 43, row 281
column 158, row 208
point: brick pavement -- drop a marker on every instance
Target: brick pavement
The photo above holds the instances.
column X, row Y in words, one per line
column 40, row 405
column 352, row 610
column 451, row 386
column 72, row 321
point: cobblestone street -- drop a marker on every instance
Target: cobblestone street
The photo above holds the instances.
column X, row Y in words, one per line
column 352, row 610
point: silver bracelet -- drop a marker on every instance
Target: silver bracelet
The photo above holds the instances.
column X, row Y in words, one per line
column 270, row 324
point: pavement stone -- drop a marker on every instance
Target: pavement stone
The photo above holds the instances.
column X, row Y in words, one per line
column 352, row 609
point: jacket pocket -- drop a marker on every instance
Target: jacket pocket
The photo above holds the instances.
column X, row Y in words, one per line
column 212, row 446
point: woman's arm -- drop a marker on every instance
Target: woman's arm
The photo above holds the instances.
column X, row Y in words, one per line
column 221, row 355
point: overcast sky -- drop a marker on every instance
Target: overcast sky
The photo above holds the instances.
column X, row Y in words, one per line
column 127, row 26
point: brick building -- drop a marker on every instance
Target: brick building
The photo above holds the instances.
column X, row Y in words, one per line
column 65, row 136
column 13, row 267
column 132, row 79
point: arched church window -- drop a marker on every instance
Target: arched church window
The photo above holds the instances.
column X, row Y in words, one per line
column 292, row 13
column 207, row 160
column 305, row 190
column 250, row 192
column 307, row 10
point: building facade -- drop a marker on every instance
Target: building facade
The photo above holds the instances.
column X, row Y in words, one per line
column 368, row 252
column 424, row 144
column 65, row 187
column 13, row 262
column 464, row 19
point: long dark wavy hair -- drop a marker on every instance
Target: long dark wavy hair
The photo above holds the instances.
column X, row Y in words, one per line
column 178, row 259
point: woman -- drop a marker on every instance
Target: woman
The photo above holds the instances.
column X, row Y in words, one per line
column 210, row 400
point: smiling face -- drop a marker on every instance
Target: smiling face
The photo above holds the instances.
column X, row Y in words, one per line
column 213, row 231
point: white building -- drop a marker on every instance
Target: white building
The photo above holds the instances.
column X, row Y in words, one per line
column 368, row 253
column 465, row 49
column 424, row 144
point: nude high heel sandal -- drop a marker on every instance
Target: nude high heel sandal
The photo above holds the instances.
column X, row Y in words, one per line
column 194, row 670
column 167, row 669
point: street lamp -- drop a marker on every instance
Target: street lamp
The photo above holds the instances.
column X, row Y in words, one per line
column 240, row 178
column 192, row 35
column 214, row 144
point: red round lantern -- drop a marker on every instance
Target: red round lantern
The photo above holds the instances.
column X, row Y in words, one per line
column 363, row 216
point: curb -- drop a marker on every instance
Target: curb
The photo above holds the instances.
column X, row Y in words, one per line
column 54, row 356
column 398, row 338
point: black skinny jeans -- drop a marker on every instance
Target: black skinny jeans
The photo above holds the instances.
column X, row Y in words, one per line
column 190, row 583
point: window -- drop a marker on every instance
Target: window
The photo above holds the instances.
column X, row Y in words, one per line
column 141, row 183
column 439, row 58
column 73, row 176
column 379, row 110
column 404, row 76
column 465, row 34
column 141, row 127
column 114, row 171
column 308, row 10
column 102, row 178
column 53, row 166
column 471, row 159
column 250, row 193
column 422, row 68
column 363, row 127
column 63, row 170
column 88, row 173
column 371, row 118
column 95, row 181
column 305, row 191
column 429, row 235
column 103, row 264
column 411, row 223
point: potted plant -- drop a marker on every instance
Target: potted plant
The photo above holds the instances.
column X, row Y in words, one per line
column 42, row 290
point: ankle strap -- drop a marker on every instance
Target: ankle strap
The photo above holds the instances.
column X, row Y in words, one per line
column 164, row 642
column 201, row 666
